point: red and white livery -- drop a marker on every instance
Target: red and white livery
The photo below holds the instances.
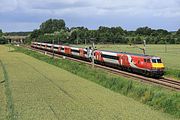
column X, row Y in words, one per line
column 137, row 63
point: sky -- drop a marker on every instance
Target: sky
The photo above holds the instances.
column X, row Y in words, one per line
column 27, row 15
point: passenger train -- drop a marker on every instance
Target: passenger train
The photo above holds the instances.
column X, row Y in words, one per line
column 146, row 65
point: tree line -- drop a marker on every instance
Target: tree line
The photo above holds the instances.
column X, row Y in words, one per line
column 17, row 33
column 56, row 30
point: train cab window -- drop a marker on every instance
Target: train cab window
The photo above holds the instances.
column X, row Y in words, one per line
column 154, row 61
column 159, row 61
column 145, row 60
column 148, row 61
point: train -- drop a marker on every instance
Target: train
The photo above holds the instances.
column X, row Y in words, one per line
column 146, row 65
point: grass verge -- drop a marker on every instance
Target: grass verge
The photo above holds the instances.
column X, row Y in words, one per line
column 172, row 73
column 160, row 98
column 10, row 105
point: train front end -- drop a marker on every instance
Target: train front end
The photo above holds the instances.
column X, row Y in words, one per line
column 157, row 67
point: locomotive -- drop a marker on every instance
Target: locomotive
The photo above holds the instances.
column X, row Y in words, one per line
column 146, row 65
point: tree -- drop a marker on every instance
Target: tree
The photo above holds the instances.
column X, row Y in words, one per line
column 52, row 25
column 178, row 40
column 116, row 30
column 162, row 32
column 62, row 36
column 170, row 39
column 138, row 40
column 178, row 32
column 36, row 33
column 143, row 31
column 1, row 33
column 3, row 40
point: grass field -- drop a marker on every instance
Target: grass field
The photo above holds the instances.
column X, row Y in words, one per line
column 42, row 91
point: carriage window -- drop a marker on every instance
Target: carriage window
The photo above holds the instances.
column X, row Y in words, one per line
column 56, row 47
column 77, row 51
column 110, row 57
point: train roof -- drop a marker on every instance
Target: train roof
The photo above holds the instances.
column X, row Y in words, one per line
column 135, row 54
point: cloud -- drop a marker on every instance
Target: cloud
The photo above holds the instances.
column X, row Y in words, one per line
column 81, row 11
column 18, row 26
column 60, row 5
column 95, row 7
column 7, row 5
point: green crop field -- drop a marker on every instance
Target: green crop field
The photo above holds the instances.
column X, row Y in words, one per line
column 36, row 90
column 2, row 96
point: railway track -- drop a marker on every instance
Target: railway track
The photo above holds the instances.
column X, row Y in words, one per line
column 175, row 82
column 165, row 82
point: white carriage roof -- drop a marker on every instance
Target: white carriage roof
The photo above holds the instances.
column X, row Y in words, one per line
column 128, row 53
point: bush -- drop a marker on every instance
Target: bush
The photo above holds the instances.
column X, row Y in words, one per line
column 3, row 40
